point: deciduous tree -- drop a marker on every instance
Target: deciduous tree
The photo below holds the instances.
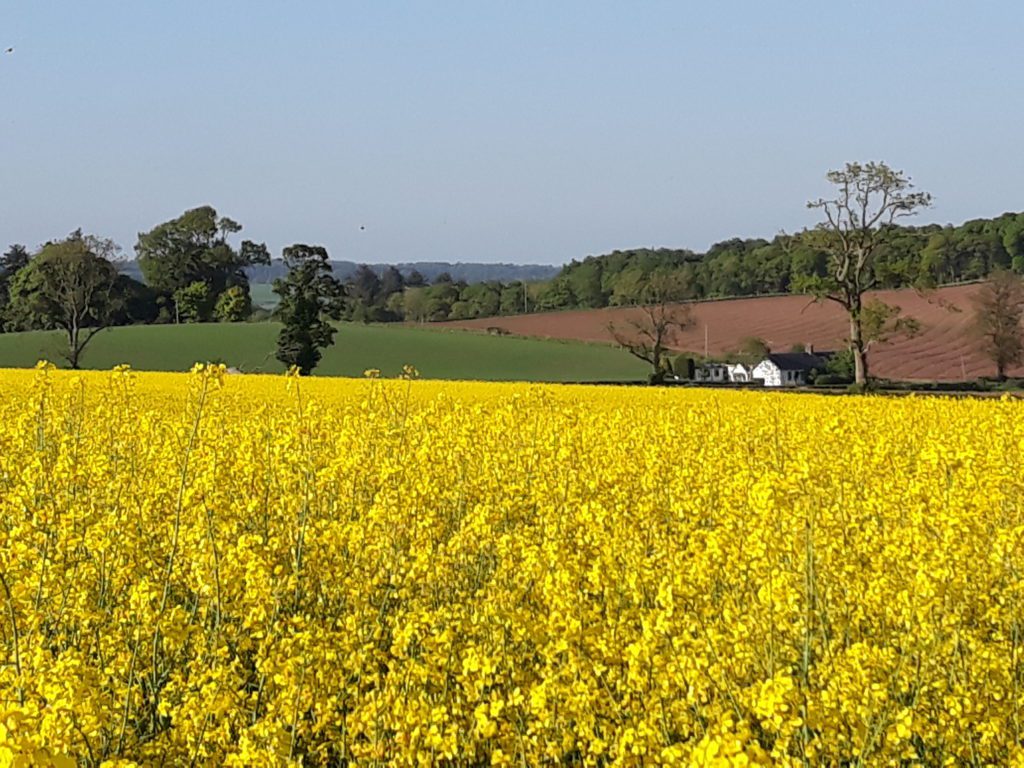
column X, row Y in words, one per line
column 67, row 286
column 999, row 308
column 868, row 198
column 194, row 248
column 193, row 303
column 233, row 305
column 658, row 316
column 415, row 304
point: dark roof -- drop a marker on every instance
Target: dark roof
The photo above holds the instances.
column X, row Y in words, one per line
column 799, row 361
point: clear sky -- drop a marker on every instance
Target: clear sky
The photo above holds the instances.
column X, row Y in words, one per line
column 531, row 132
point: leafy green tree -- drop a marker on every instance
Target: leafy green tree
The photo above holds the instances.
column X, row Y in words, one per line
column 194, row 248
column 136, row 302
column 67, row 286
column 484, row 299
column 557, row 295
column 461, row 310
column 310, row 298
column 839, row 368
column 881, row 322
column 414, row 304
column 362, row 290
column 440, row 297
column 627, row 287
column 395, row 306
column 233, row 305
column 585, row 283
column 868, row 198
column 513, row 299
column 193, row 303
column 938, row 258
column 1013, row 241
column 15, row 258
column 369, row 294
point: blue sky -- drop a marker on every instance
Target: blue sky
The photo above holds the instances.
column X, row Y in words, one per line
column 496, row 131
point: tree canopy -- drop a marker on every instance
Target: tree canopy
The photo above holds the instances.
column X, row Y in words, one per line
column 906, row 256
column 67, row 286
column 310, row 298
column 193, row 249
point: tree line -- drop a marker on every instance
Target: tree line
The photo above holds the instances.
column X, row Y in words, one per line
column 903, row 256
column 906, row 256
column 192, row 271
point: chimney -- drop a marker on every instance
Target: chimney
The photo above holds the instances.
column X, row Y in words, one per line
column 809, row 348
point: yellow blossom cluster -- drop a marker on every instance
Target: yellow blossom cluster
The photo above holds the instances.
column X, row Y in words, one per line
column 203, row 569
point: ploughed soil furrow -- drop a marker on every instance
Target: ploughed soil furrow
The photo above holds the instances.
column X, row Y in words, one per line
column 945, row 349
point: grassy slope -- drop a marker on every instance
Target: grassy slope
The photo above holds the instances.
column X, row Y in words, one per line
column 250, row 346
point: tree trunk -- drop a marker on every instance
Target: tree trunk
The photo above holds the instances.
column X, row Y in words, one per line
column 73, row 347
column 658, row 375
column 860, row 358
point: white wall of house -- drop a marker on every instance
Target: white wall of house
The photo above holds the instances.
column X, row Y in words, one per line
column 770, row 372
column 776, row 377
column 740, row 373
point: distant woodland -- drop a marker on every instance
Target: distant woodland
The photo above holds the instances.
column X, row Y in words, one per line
column 923, row 256
column 193, row 269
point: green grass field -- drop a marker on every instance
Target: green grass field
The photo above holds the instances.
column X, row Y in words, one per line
column 438, row 354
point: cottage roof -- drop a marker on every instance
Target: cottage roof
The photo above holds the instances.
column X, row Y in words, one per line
column 799, row 361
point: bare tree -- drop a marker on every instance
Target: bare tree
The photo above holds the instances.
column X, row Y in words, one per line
column 998, row 310
column 868, row 198
column 659, row 315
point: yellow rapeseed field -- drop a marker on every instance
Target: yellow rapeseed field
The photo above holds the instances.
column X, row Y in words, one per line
column 207, row 569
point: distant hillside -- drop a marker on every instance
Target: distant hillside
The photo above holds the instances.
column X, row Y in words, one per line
column 470, row 272
column 945, row 349
column 924, row 255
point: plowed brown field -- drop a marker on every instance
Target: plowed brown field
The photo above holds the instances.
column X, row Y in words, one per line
column 944, row 349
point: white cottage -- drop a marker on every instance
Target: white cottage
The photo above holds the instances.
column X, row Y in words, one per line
column 789, row 369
